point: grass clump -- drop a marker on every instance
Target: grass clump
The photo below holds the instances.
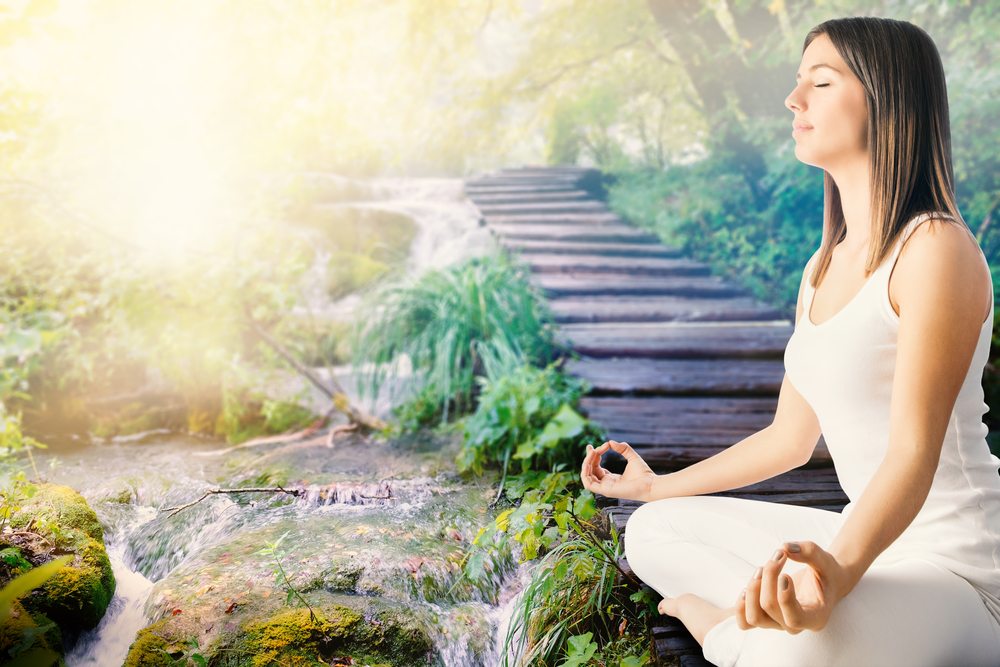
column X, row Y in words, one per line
column 444, row 323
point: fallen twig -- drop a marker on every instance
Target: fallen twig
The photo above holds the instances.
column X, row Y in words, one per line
column 277, row 489
column 274, row 439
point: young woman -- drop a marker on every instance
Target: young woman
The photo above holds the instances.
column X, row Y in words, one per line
column 892, row 333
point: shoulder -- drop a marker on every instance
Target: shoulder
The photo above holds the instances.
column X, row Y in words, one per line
column 942, row 260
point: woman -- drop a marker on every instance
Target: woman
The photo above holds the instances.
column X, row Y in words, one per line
column 886, row 362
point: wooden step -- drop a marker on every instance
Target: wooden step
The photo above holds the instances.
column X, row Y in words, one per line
column 605, row 283
column 559, row 196
column 541, row 208
column 568, row 218
column 587, row 233
column 639, row 266
column 549, row 169
column 473, row 191
column 673, row 432
column 663, row 308
column 681, row 340
column 568, row 248
column 566, row 181
column 734, row 377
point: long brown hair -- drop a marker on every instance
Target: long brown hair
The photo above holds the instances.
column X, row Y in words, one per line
column 909, row 134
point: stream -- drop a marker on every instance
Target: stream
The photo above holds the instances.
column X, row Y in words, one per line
column 379, row 518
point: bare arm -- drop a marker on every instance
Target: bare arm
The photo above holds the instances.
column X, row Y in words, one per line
column 786, row 443
column 941, row 291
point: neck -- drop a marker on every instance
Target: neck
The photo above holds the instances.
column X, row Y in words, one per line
column 851, row 178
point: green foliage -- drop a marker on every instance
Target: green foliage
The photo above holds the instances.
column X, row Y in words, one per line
column 191, row 655
column 12, row 495
column 578, row 605
column 707, row 210
column 24, row 642
column 29, row 581
column 445, row 323
column 293, row 596
column 525, row 413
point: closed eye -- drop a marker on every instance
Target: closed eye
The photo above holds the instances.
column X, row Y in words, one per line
column 821, row 85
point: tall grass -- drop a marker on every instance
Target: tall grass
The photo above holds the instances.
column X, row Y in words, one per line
column 444, row 323
column 577, row 588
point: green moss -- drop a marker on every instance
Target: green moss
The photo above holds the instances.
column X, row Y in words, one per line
column 62, row 506
column 150, row 648
column 292, row 637
column 77, row 597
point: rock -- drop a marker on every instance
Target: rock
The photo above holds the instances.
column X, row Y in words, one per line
column 76, row 598
column 371, row 631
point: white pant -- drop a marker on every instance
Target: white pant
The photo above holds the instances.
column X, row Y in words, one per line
column 907, row 613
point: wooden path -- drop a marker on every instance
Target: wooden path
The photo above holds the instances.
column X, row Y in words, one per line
column 682, row 363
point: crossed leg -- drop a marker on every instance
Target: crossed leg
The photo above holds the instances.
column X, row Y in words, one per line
column 709, row 546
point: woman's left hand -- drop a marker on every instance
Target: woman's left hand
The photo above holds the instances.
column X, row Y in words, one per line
column 803, row 602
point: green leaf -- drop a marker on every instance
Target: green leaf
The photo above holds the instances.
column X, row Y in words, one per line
column 581, row 650
column 503, row 519
column 635, row 661
column 567, row 423
column 27, row 582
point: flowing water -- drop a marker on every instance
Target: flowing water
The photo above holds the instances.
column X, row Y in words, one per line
column 387, row 519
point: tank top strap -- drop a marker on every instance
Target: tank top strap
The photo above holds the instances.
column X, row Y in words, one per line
column 914, row 222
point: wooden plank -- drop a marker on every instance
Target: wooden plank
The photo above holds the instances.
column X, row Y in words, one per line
column 523, row 208
column 568, row 218
column 679, row 339
column 680, row 376
column 504, row 198
column 697, row 421
column 567, row 181
column 553, row 263
column 563, row 248
column 606, row 283
column 626, row 266
column 660, row 308
column 473, row 191
column 588, row 233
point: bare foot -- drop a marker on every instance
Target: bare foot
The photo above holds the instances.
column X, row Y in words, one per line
column 696, row 613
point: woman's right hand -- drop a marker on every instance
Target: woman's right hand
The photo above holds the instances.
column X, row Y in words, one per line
column 634, row 483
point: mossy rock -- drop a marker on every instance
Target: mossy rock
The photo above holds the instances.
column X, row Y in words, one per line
column 371, row 631
column 151, row 649
column 293, row 637
column 77, row 597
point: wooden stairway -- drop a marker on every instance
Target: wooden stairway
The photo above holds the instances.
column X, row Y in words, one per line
column 682, row 364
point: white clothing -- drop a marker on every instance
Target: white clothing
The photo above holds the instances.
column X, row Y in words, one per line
column 933, row 596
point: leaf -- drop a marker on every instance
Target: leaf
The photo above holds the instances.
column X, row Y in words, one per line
column 567, row 423
column 581, row 650
column 28, row 581
column 503, row 520
column 635, row 661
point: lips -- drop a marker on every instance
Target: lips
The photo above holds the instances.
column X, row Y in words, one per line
column 801, row 126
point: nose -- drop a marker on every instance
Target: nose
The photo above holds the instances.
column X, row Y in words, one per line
column 792, row 102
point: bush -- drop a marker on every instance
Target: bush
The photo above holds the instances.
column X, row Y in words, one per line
column 444, row 323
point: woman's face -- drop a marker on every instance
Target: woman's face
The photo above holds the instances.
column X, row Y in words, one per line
column 830, row 101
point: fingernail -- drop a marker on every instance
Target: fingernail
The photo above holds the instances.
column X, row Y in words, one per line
column 743, row 594
column 784, row 583
column 793, row 547
column 756, row 575
column 778, row 554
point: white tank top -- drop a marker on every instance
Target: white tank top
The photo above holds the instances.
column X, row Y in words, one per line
column 844, row 368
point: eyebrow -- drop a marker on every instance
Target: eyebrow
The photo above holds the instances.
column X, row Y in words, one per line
column 817, row 66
